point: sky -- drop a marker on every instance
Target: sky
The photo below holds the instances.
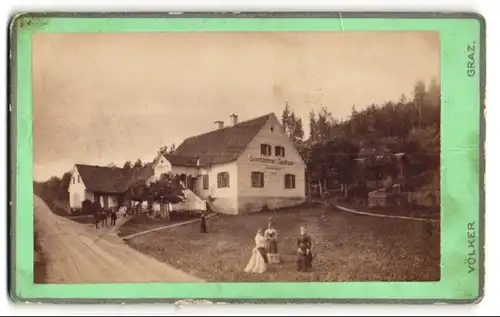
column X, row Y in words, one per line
column 107, row 98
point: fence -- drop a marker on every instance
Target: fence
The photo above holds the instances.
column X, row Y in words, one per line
column 381, row 198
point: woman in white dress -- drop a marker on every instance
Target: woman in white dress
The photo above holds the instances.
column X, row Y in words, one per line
column 258, row 261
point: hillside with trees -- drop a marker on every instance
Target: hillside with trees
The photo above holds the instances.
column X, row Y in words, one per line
column 54, row 192
column 373, row 143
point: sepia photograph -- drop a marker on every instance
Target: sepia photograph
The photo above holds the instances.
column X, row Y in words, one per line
column 236, row 157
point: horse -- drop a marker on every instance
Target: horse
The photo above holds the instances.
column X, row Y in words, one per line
column 104, row 217
column 101, row 217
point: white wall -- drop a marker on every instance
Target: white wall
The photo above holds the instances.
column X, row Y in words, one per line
column 112, row 200
column 274, row 179
column 274, row 168
column 178, row 170
column 225, row 198
column 76, row 190
column 78, row 193
column 163, row 166
column 89, row 196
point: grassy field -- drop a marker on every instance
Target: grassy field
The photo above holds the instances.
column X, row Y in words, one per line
column 415, row 211
column 347, row 247
column 142, row 222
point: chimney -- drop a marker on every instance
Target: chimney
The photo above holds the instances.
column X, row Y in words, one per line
column 234, row 117
column 220, row 124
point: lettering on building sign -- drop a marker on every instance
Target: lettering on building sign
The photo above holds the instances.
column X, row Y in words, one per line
column 279, row 161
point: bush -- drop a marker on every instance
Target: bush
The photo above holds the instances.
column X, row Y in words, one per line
column 58, row 210
column 86, row 207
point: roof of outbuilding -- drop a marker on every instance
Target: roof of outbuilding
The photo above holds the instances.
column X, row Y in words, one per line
column 112, row 180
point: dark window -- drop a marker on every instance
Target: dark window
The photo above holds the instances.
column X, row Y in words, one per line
column 289, row 181
column 257, row 179
column 74, row 180
column 265, row 149
column 279, row 151
column 78, row 181
column 205, row 181
column 223, row 180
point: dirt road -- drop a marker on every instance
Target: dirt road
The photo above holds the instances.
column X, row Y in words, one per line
column 75, row 253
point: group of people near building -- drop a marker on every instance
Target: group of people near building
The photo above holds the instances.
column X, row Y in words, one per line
column 266, row 250
column 101, row 215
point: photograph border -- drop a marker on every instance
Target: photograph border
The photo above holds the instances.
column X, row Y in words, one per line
column 462, row 157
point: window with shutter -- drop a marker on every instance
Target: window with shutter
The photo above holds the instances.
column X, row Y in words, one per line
column 257, row 179
column 289, row 181
column 205, row 182
column 265, row 149
column 279, row 151
column 223, row 180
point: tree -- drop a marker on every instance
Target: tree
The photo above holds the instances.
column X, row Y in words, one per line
column 64, row 186
column 127, row 165
column 165, row 150
column 298, row 130
column 433, row 94
column 408, row 128
column 138, row 163
column 285, row 116
column 419, row 96
column 166, row 190
column 323, row 125
column 292, row 124
column 54, row 193
column 312, row 126
column 137, row 192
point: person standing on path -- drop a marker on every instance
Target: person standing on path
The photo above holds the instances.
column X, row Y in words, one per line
column 113, row 217
column 203, row 224
column 104, row 217
column 96, row 210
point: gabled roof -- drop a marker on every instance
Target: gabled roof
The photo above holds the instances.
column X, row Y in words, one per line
column 222, row 145
column 112, row 180
column 178, row 160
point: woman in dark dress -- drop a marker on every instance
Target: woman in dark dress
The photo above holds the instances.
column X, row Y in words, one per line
column 271, row 236
column 304, row 254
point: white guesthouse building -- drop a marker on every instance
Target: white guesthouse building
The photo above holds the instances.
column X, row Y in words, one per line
column 243, row 168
